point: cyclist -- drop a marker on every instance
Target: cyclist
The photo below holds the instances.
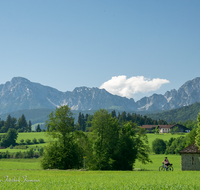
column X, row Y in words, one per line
column 166, row 162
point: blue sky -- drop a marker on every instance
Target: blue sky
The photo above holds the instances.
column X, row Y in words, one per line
column 67, row 44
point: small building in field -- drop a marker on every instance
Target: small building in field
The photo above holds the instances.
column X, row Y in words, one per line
column 190, row 158
column 166, row 128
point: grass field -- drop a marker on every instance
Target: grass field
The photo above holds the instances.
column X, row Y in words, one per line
column 19, row 164
column 29, row 136
column 35, row 163
column 32, row 136
column 157, row 161
column 58, row 179
column 13, row 172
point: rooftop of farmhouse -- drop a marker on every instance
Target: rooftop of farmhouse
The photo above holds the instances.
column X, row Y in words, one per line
column 191, row 149
column 154, row 126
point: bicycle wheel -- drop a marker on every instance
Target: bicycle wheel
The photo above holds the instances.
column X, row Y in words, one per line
column 161, row 168
column 171, row 169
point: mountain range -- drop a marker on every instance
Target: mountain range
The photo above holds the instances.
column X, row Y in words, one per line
column 21, row 94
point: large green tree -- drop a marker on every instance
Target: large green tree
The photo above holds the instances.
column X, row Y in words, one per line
column 105, row 134
column 126, row 149
column 63, row 152
column 116, row 146
column 198, row 131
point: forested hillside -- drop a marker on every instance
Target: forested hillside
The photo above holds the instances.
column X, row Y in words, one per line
column 181, row 114
column 34, row 115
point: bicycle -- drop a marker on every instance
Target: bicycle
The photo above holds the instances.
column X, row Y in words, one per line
column 168, row 168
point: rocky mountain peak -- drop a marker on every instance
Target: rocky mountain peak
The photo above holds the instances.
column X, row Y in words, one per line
column 20, row 93
column 18, row 80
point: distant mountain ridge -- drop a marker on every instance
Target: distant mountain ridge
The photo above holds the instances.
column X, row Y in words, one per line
column 187, row 94
column 21, row 94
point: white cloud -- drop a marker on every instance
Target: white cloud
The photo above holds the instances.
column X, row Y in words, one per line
column 120, row 85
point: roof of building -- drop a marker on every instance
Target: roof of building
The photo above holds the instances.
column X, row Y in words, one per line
column 159, row 126
column 163, row 126
column 191, row 149
column 166, row 126
column 149, row 126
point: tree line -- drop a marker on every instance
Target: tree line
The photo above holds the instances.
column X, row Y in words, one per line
column 21, row 125
column 84, row 121
column 109, row 144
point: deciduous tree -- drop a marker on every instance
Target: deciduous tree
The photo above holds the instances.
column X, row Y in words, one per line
column 63, row 152
column 158, row 146
column 10, row 138
column 198, row 132
column 117, row 147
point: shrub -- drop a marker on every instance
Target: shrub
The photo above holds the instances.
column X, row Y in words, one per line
column 30, row 153
column 28, row 141
column 41, row 151
column 20, row 147
column 34, row 141
column 18, row 155
column 158, row 146
column 40, row 140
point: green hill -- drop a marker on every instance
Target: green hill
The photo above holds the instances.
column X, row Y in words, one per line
column 181, row 114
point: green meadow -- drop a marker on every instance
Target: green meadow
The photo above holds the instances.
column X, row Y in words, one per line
column 27, row 174
column 75, row 179
column 35, row 163
column 30, row 136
